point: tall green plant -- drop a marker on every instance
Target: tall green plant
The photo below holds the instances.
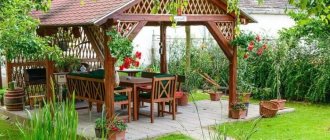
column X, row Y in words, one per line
column 55, row 121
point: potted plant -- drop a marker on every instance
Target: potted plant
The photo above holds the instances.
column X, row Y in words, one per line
column 215, row 94
column 67, row 64
column 280, row 102
column 238, row 111
column 101, row 127
column 118, row 127
column 115, row 127
column 183, row 101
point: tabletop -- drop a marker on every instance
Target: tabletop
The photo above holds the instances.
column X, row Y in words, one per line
column 134, row 80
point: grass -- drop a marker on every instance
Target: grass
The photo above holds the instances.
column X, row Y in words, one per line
column 174, row 137
column 309, row 121
column 9, row 131
column 198, row 95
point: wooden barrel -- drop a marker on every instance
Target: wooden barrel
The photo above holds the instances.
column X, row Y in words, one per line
column 14, row 99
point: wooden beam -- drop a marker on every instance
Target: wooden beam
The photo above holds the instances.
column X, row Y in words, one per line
column 163, row 55
column 109, row 73
column 49, row 77
column 136, row 30
column 221, row 40
column 95, row 45
column 166, row 18
column 233, row 80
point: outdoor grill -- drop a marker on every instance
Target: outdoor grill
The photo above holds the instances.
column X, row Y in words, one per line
column 35, row 76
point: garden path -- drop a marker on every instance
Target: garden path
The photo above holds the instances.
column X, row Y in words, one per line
column 190, row 121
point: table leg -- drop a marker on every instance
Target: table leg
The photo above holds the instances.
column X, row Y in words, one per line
column 135, row 104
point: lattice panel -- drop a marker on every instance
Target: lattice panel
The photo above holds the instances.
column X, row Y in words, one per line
column 98, row 34
column 78, row 45
column 194, row 7
column 125, row 28
column 227, row 29
column 86, row 89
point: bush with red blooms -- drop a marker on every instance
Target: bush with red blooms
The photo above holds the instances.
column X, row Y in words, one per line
column 131, row 61
column 252, row 44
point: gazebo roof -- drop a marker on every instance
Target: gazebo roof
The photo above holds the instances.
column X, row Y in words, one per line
column 90, row 12
column 73, row 12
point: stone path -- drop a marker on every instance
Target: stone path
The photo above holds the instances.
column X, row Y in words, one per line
column 191, row 120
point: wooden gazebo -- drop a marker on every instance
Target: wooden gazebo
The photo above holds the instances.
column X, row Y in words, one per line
column 86, row 23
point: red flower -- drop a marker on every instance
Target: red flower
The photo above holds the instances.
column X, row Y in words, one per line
column 264, row 46
column 258, row 38
column 250, row 47
column 260, row 51
column 121, row 67
column 252, row 43
column 138, row 54
column 136, row 64
column 246, row 55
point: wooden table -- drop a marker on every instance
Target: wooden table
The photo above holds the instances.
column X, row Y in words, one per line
column 134, row 82
column 131, row 72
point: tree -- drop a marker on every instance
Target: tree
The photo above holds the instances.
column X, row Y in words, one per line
column 18, row 30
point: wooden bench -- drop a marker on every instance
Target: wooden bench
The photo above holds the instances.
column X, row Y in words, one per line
column 93, row 91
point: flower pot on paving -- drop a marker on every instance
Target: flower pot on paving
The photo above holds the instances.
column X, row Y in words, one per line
column 183, row 101
column 280, row 102
column 238, row 114
column 215, row 96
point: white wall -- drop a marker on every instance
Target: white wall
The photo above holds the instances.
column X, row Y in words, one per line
column 269, row 24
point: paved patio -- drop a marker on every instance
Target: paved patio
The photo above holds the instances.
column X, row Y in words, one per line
column 190, row 120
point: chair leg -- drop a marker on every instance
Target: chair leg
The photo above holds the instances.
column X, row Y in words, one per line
column 152, row 112
column 163, row 108
column 90, row 106
column 158, row 105
column 173, row 110
column 129, row 112
column 31, row 101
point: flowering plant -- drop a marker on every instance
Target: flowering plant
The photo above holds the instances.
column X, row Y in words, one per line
column 251, row 44
column 122, row 48
column 131, row 61
column 117, row 125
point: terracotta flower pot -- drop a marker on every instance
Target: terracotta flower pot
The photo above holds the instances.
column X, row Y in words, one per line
column 238, row 114
column 215, row 96
column 119, row 135
column 246, row 97
column 183, row 101
column 280, row 102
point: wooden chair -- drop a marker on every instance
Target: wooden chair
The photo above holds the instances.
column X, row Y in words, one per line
column 163, row 89
column 92, row 90
column 178, row 93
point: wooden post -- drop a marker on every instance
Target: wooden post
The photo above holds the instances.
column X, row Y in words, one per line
column 109, row 73
column 49, row 78
column 188, row 49
column 163, row 55
column 233, row 80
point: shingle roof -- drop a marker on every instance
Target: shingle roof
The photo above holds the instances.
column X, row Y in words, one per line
column 73, row 12
column 268, row 7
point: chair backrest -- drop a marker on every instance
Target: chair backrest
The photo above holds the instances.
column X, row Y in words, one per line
column 163, row 86
column 145, row 74
column 180, row 81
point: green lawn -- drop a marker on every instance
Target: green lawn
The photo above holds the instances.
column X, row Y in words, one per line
column 308, row 122
column 199, row 95
column 174, row 137
column 9, row 131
